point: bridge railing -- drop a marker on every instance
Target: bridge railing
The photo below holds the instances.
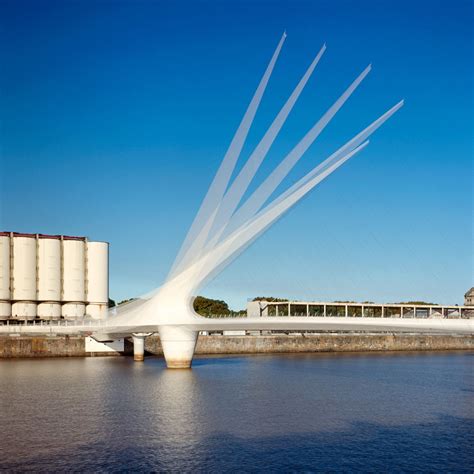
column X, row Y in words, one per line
column 93, row 323
column 331, row 311
column 374, row 312
column 353, row 309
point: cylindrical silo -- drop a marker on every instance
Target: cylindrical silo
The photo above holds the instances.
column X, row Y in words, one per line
column 73, row 310
column 23, row 310
column 49, row 268
column 52, row 276
column 49, row 310
column 73, row 271
column 4, row 266
column 24, row 267
column 97, row 311
column 5, row 310
column 97, row 279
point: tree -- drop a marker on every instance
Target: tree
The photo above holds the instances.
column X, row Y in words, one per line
column 417, row 303
column 270, row 299
column 209, row 307
column 126, row 301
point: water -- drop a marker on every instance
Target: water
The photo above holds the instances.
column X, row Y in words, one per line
column 290, row 413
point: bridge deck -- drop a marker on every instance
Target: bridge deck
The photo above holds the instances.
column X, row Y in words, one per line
column 109, row 330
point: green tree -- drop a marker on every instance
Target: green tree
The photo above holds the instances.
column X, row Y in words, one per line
column 417, row 303
column 270, row 299
column 209, row 307
column 126, row 301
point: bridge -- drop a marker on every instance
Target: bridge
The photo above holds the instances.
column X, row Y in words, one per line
column 228, row 221
column 181, row 337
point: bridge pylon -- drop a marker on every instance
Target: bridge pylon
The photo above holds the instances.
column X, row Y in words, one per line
column 178, row 345
column 139, row 346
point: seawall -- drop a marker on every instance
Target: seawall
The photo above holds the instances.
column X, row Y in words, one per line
column 75, row 346
column 54, row 346
column 331, row 343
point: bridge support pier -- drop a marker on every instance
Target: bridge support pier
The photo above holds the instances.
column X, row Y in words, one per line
column 178, row 346
column 139, row 346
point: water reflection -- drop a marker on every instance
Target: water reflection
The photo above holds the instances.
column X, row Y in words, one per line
column 322, row 412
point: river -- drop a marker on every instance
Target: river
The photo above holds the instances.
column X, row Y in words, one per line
column 397, row 412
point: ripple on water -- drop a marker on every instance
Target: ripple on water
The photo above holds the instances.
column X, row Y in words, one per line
column 317, row 412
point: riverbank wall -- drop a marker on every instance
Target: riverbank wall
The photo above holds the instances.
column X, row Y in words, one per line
column 76, row 346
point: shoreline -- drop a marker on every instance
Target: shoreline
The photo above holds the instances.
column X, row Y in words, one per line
column 16, row 347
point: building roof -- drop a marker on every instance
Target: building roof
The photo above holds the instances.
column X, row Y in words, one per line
column 470, row 292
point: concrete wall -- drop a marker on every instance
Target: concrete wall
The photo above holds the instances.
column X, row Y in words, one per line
column 320, row 343
column 75, row 346
column 58, row 346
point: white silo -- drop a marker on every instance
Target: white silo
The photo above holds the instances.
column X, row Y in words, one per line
column 24, row 310
column 4, row 266
column 5, row 306
column 97, row 279
column 5, row 310
column 73, row 288
column 23, row 279
column 49, row 310
column 49, row 277
column 73, row 310
column 73, row 279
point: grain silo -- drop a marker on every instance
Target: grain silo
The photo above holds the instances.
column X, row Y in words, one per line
column 5, row 304
column 73, row 279
column 49, row 276
column 97, row 281
column 23, row 276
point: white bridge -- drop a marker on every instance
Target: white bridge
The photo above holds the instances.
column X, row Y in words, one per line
column 225, row 225
column 442, row 320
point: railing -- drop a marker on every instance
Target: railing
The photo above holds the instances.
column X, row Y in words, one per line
column 369, row 310
column 15, row 326
column 454, row 314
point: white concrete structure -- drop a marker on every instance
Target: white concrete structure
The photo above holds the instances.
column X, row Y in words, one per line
column 49, row 277
column 48, row 310
column 97, row 279
column 73, row 310
column 23, row 276
column 94, row 346
column 139, row 346
column 24, row 310
column 4, row 267
column 225, row 226
column 5, row 310
column 5, row 294
column 74, row 270
column 52, row 276
column 49, row 268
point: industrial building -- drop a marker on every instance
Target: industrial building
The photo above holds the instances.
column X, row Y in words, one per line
column 52, row 277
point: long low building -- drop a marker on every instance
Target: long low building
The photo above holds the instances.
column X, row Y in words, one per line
column 260, row 308
column 52, row 277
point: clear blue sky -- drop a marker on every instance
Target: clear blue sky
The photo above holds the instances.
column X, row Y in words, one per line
column 115, row 115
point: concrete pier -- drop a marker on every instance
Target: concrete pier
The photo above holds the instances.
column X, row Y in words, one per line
column 139, row 347
column 178, row 346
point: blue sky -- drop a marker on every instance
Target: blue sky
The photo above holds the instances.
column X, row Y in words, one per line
column 115, row 115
